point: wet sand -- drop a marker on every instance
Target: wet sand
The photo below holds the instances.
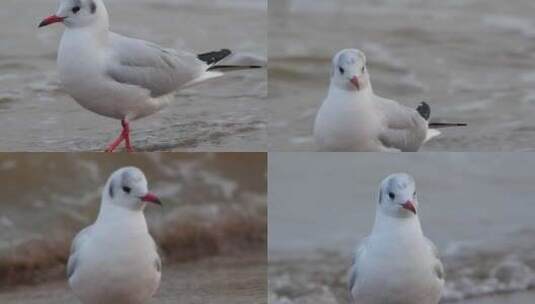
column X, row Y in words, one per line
column 472, row 61
column 220, row 280
column 224, row 114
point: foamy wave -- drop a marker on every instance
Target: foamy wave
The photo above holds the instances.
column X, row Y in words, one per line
column 186, row 233
column 473, row 269
column 477, row 269
column 511, row 24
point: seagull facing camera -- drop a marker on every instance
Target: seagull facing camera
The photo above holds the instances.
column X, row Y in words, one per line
column 349, row 71
column 352, row 118
column 396, row 263
column 397, row 196
column 115, row 260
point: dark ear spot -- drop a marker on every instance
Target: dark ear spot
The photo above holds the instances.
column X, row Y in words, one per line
column 380, row 196
column 110, row 189
column 158, row 264
column 93, row 7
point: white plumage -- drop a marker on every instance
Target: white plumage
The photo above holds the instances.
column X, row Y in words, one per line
column 396, row 263
column 115, row 260
column 353, row 118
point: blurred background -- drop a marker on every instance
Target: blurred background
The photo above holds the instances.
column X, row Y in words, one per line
column 211, row 230
column 221, row 115
column 477, row 208
column 471, row 60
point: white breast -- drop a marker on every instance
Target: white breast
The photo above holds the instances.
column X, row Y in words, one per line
column 116, row 268
column 347, row 122
column 82, row 60
column 397, row 268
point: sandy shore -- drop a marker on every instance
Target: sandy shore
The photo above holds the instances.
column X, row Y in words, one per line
column 224, row 280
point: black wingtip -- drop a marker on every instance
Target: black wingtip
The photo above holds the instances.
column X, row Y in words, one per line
column 234, row 67
column 424, row 110
column 439, row 125
column 212, row 58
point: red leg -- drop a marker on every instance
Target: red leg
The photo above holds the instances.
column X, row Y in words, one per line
column 126, row 132
column 125, row 135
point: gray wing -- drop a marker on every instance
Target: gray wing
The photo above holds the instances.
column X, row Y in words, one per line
column 157, row 260
column 353, row 271
column 149, row 66
column 438, row 268
column 405, row 130
column 73, row 262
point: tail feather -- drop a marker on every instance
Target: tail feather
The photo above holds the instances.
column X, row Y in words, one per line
column 204, row 77
column 425, row 111
column 432, row 133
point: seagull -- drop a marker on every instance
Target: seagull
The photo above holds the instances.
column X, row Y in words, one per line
column 125, row 78
column 396, row 263
column 115, row 260
column 353, row 118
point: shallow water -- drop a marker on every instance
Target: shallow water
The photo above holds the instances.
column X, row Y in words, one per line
column 470, row 60
column 213, row 204
column 477, row 208
column 224, row 114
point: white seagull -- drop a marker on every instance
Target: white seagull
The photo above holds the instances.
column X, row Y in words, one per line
column 396, row 263
column 115, row 260
column 353, row 118
column 121, row 77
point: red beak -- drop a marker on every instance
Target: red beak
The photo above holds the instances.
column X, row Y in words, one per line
column 409, row 206
column 355, row 82
column 50, row 20
column 151, row 198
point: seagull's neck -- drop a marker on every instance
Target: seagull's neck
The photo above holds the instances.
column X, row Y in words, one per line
column 364, row 95
column 97, row 32
column 122, row 218
column 390, row 225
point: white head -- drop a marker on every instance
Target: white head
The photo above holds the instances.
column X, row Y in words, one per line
column 79, row 13
column 349, row 70
column 397, row 196
column 127, row 187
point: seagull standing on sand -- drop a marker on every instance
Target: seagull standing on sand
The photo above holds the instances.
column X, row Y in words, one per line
column 396, row 263
column 121, row 77
column 353, row 118
column 115, row 260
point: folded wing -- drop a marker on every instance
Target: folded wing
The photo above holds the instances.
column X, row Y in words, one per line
column 78, row 241
column 160, row 71
column 405, row 129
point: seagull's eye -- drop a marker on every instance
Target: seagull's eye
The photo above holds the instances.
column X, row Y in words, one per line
column 127, row 189
column 391, row 195
column 414, row 194
column 342, row 71
column 363, row 69
column 75, row 9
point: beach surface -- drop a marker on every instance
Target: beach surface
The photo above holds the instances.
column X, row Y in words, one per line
column 204, row 281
